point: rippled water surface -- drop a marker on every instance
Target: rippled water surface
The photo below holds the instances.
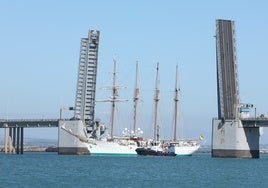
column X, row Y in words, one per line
column 200, row 170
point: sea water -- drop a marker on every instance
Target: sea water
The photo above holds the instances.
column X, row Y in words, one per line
column 199, row 170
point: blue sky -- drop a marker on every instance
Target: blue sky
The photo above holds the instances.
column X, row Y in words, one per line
column 40, row 43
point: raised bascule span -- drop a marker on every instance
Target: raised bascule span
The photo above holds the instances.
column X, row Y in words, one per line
column 83, row 124
column 87, row 77
column 234, row 133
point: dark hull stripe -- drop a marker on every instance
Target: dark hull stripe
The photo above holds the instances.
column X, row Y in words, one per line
column 73, row 151
column 229, row 153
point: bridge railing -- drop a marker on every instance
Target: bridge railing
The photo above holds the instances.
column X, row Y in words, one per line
column 254, row 119
column 255, row 122
column 29, row 123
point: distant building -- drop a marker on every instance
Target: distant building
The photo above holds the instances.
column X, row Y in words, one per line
column 87, row 75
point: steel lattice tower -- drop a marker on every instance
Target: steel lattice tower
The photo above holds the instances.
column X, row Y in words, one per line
column 87, row 75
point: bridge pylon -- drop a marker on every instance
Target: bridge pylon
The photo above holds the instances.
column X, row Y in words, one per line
column 230, row 137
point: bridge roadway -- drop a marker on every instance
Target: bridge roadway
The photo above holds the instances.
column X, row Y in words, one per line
column 255, row 122
column 29, row 123
column 14, row 131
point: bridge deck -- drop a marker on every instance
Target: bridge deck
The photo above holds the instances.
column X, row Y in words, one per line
column 29, row 123
column 255, row 122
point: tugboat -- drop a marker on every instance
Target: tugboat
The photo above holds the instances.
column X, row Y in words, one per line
column 155, row 148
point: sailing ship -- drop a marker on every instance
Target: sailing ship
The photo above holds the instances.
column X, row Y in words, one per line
column 168, row 148
column 118, row 145
column 155, row 147
column 181, row 146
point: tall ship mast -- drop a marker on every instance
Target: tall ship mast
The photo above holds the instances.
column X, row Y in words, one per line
column 114, row 99
column 181, row 146
column 136, row 98
column 176, row 100
column 156, row 99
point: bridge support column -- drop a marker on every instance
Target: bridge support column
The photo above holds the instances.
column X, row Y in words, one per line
column 14, row 138
column 6, row 138
column 10, row 141
column 231, row 140
column 18, row 140
column 14, row 143
column 21, row 141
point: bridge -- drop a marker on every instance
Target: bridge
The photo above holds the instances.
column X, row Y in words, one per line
column 234, row 133
column 254, row 122
column 28, row 123
column 83, row 110
column 14, row 131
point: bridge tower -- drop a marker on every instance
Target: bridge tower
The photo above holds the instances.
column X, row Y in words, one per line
column 229, row 137
column 87, row 75
column 73, row 134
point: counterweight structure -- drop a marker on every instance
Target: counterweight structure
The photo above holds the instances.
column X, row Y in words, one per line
column 87, row 75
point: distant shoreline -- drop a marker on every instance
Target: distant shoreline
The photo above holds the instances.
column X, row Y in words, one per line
column 36, row 149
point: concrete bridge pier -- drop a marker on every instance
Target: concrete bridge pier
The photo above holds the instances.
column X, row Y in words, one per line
column 72, row 138
column 8, row 142
column 11, row 146
column 7, row 138
column 230, row 139
column 13, row 140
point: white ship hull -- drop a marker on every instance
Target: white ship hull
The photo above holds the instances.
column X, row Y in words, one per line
column 184, row 148
column 116, row 147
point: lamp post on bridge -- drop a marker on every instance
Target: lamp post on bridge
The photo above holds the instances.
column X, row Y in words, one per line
column 65, row 108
